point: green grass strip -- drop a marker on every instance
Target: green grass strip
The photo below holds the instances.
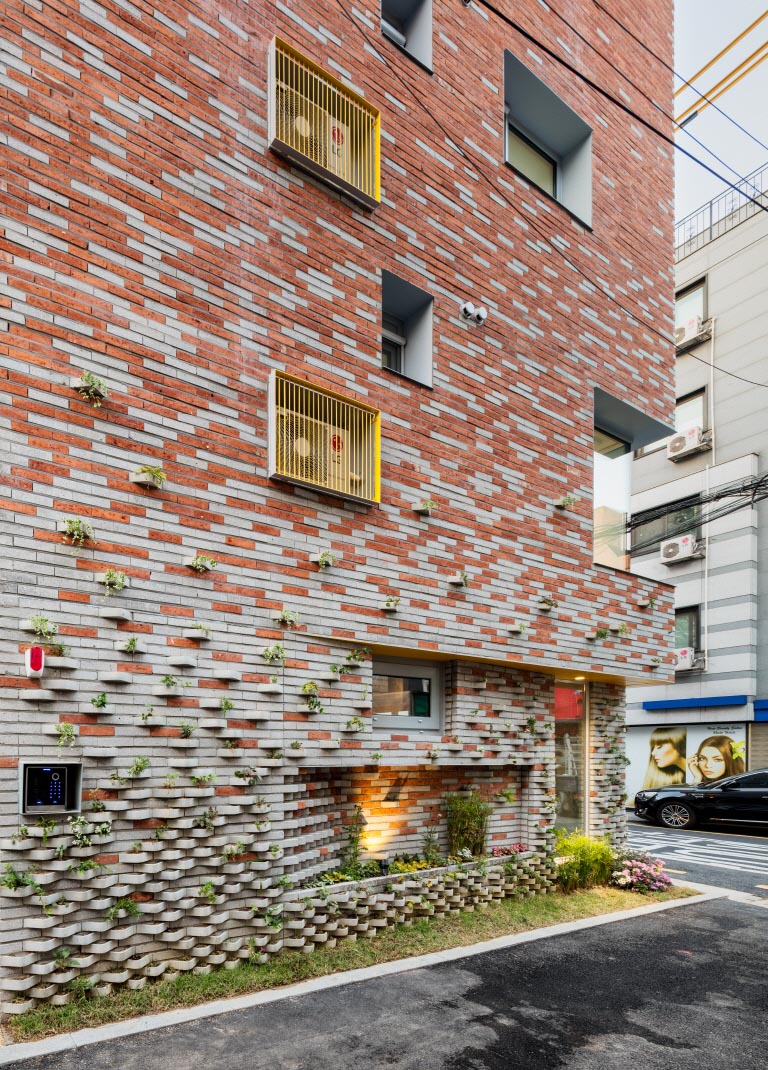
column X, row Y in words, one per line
column 422, row 937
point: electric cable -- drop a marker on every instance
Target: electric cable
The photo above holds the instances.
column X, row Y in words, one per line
column 549, row 243
column 672, row 70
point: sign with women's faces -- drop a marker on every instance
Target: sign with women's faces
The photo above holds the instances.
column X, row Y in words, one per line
column 662, row 756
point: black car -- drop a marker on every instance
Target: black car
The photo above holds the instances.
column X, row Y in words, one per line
column 742, row 798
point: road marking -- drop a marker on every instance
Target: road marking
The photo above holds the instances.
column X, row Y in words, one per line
column 682, row 872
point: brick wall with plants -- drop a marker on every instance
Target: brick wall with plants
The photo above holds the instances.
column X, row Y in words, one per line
column 159, row 263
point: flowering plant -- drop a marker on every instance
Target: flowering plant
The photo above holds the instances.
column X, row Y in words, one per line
column 511, row 849
column 637, row 872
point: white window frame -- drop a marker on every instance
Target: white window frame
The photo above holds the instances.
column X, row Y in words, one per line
column 413, row 669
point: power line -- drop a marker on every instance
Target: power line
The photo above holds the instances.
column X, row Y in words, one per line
column 609, row 96
column 672, row 70
column 544, row 237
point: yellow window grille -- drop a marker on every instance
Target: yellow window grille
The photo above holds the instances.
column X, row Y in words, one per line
column 322, row 125
column 324, row 440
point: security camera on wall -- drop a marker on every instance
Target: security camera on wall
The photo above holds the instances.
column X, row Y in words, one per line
column 472, row 314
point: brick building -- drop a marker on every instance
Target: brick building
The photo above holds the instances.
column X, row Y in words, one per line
column 327, row 337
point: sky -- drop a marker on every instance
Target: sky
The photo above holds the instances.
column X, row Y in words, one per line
column 702, row 29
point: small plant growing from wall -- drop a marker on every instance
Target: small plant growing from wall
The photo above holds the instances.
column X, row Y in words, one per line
column 47, row 826
column 45, row 630
column 66, row 735
column 93, row 389
column 114, row 582
column 207, row 890
column 325, row 559
column 425, row 507
column 200, row 780
column 77, row 532
column 226, row 705
column 310, row 692
column 186, row 729
column 547, row 602
column 201, row 563
column 274, row 655
column 467, row 819
column 566, row 502
column 137, row 767
column 204, row 629
column 391, row 604
column 153, row 474
column 355, row 724
column 232, row 851
column 99, row 702
column 131, row 645
column 296, row 744
column 128, row 907
column 251, row 776
column 288, row 618
column 507, row 796
column 147, row 713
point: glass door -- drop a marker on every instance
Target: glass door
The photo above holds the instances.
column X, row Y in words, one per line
column 569, row 755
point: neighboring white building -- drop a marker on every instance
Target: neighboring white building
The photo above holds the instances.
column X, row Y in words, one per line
column 721, row 684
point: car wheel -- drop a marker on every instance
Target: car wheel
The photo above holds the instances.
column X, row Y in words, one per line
column 676, row 815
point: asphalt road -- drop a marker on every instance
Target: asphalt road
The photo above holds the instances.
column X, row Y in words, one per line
column 736, row 860
column 682, row 989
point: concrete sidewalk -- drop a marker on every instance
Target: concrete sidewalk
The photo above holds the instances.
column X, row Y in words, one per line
column 290, row 1027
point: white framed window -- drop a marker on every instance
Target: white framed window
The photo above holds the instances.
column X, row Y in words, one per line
column 531, row 161
column 406, row 329
column 407, row 694
column 408, row 24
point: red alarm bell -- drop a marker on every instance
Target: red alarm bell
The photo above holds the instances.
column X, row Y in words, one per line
column 34, row 661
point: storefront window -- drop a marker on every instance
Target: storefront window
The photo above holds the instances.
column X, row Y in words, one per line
column 569, row 755
column 613, row 470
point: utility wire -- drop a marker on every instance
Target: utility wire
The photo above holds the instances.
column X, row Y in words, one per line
column 614, row 100
column 672, row 70
column 450, row 139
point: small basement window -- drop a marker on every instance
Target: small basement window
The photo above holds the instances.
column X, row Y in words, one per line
column 407, row 694
column 408, row 24
column 406, row 329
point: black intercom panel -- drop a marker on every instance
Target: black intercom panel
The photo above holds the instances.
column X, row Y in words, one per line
column 50, row 787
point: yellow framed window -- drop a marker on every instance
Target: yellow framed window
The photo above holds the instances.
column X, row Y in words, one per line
column 323, row 126
column 324, row 440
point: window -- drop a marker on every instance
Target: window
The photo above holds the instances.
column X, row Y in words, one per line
column 406, row 329
column 569, row 754
column 546, row 141
column 649, row 529
column 687, row 628
column 323, row 126
column 530, row 161
column 323, row 440
column 757, row 780
column 407, row 694
column 612, row 477
column 690, row 411
column 408, row 23
column 690, row 312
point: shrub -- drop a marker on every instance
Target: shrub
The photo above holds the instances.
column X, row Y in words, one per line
column 467, row 818
column 584, row 861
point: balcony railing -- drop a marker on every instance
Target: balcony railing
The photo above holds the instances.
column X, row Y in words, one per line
column 323, row 126
column 722, row 214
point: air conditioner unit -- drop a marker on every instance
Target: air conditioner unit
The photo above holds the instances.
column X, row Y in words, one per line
column 687, row 442
column 688, row 331
column 684, row 657
column 301, row 124
column 318, row 453
column 682, row 548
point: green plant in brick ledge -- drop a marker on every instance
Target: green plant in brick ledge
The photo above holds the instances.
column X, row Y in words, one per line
column 77, row 531
column 92, row 388
column 126, row 906
column 310, row 692
column 226, row 705
column 47, row 825
column 207, row 890
column 114, row 582
column 153, row 471
column 288, row 618
column 131, row 645
column 274, row 655
column 186, row 729
column 200, row 780
column 251, row 776
column 45, row 630
column 201, row 563
column 66, row 734
column 326, row 559
column 355, row 724
column 232, row 851
column 99, row 702
column 138, row 766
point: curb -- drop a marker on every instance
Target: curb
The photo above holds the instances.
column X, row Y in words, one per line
column 14, row 1054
